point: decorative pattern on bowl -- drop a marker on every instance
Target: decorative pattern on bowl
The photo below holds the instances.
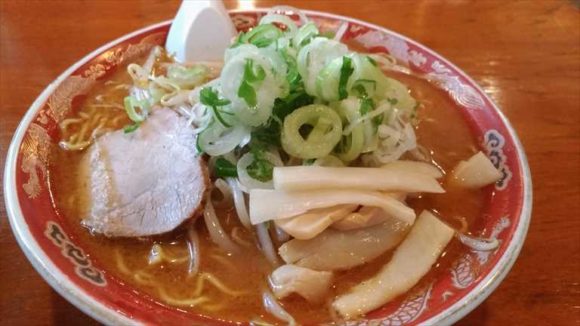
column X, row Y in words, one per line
column 50, row 244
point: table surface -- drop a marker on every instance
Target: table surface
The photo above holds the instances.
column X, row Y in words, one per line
column 525, row 55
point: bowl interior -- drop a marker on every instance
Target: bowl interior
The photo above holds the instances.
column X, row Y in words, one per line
column 52, row 247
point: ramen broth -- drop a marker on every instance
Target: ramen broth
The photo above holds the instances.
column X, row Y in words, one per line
column 441, row 130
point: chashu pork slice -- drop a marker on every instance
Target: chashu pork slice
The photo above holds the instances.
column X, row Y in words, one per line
column 145, row 182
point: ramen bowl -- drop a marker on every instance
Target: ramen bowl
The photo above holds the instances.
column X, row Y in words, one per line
column 53, row 248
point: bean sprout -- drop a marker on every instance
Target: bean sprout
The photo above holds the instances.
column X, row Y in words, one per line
column 266, row 244
column 193, row 248
column 273, row 307
column 216, row 232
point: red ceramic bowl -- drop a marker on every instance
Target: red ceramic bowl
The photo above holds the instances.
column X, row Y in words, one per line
column 51, row 247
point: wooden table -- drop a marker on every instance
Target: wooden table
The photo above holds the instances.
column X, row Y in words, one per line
column 525, row 54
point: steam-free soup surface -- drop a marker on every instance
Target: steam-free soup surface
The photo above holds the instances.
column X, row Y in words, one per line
column 441, row 130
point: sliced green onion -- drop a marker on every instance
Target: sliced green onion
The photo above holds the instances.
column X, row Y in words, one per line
column 364, row 88
column 251, row 76
column 366, row 106
column 253, row 101
column 311, row 147
column 224, row 168
column 187, row 77
column 315, row 57
column 262, row 35
column 280, row 20
column 208, row 96
column 378, row 120
column 132, row 105
column 218, row 116
column 247, row 93
column 272, row 75
column 396, row 90
column 372, row 61
column 260, row 169
column 379, row 111
column 132, row 127
column 305, row 34
column 292, row 75
column 218, row 140
column 345, row 72
column 364, row 73
column 156, row 93
column 328, row 34
column 239, row 40
column 327, row 81
column 268, row 134
column 297, row 99
column 255, row 168
column 198, row 145
column 352, row 144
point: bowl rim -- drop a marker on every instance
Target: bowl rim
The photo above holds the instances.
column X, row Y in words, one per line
column 97, row 310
